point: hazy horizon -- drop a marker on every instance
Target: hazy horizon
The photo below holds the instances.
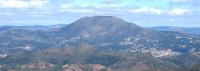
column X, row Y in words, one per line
column 182, row 13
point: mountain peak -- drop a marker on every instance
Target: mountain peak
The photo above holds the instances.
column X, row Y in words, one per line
column 96, row 19
column 110, row 21
column 102, row 24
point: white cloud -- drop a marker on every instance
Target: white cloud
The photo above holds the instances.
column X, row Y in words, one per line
column 65, row 6
column 147, row 10
column 178, row 1
column 7, row 14
column 78, row 10
column 13, row 4
column 85, row 5
column 109, row 6
column 38, row 3
column 178, row 11
column 22, row 3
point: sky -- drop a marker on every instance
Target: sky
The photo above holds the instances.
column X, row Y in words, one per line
column 146, row 13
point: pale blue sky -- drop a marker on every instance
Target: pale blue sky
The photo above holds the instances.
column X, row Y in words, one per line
column 141, row 12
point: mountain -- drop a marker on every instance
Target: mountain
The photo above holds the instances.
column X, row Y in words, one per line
column 104, row 41
column 113, row 32
column 188, row 30
column 4, row 28
column 100, row 31
column 34, row 27
column 105, row 33
column 102, row 25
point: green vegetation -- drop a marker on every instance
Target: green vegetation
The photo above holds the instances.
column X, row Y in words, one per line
column 194, row 68
column 54, row 59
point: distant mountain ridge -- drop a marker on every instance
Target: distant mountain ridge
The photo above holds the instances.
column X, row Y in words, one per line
column 102, row 25
column 33, row 27
column 103, row 32
column 189, row 30
column 95, row 43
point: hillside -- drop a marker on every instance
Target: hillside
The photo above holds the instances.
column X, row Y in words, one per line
column 105, row 41
column 189, row 30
